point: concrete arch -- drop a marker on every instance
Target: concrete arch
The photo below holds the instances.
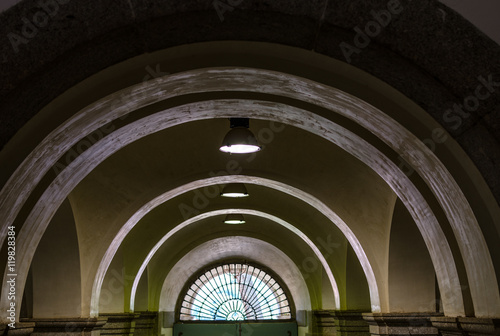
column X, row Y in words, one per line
column 254, row 248
column 429, row 227
column 290, row 190
column 444, row 187
column 307, row 198
column 275, row 219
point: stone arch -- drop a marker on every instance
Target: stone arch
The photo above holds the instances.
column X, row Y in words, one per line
column 181, row 272
column 275, row 219
column 450, row 208
column 345, row 143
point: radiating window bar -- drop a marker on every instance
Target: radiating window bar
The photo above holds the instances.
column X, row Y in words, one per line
column 235, row 291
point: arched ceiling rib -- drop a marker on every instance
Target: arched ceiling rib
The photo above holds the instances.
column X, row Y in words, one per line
column 320, row 126
column 440, row 195
column 275, row 219
column 229, row 247
column 228, row 179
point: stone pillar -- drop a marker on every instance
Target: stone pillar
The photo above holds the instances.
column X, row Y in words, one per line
column 122, row 324
column 466, row 326
column 350, row 323
column 392, row 324
column 146, row 324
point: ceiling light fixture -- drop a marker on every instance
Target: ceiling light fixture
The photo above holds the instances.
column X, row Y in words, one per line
column 234, row 190
column 234, row 219
column 239, row 139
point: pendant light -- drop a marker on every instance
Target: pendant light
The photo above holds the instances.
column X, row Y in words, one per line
column 234, row 219
column 239, row 139
column 234, row 190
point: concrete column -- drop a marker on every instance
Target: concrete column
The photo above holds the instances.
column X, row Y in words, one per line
column 122, row 324
column 392, row 324
column 350, row 323
column 146, row 324
column 466, row 326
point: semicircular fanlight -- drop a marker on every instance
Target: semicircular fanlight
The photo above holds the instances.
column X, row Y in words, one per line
column 235, row 291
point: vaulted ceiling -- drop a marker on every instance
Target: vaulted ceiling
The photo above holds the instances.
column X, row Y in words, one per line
column 371, row 184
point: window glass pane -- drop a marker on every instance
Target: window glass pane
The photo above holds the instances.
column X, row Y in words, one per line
column 235, row 292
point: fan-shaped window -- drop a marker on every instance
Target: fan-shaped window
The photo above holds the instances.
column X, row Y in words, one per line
column 235, row 291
